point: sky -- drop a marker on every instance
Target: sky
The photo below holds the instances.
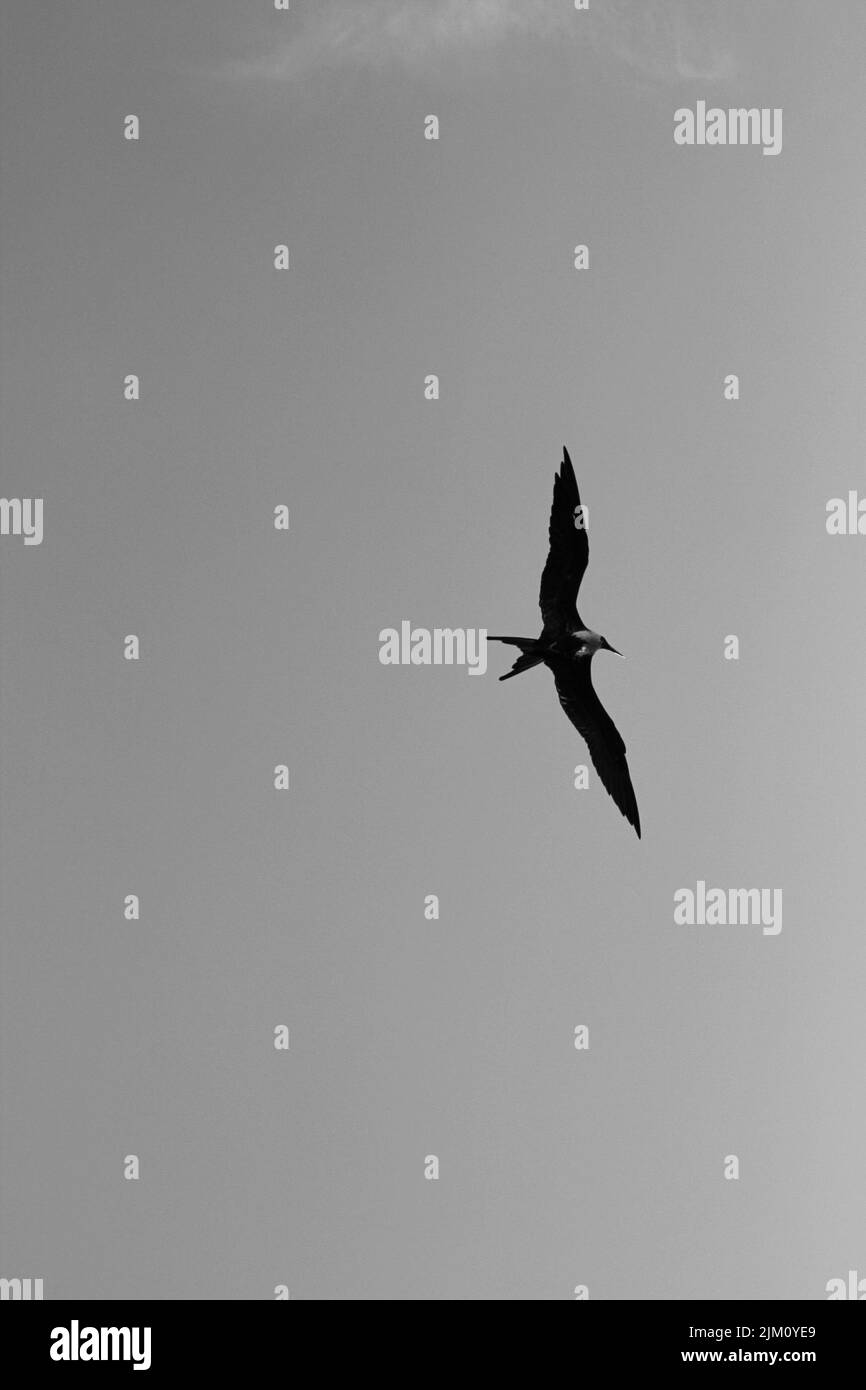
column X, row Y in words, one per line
column 559, row 1168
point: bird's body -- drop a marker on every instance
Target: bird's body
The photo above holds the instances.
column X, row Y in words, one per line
column 578, row 643
column 566, row 645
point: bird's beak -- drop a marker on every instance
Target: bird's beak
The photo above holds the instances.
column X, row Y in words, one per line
column 614, row 650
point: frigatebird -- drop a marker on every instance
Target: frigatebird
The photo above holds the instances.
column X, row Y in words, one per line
column 566, row 645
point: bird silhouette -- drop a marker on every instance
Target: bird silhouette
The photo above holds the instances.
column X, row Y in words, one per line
column 566, row 645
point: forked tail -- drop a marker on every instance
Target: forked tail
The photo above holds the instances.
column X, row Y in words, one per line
column 531, row 654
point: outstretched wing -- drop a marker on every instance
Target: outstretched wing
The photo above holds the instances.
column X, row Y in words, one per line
column 568, row 556
column 606, row 748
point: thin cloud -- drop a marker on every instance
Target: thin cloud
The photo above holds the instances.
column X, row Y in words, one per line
column 669, row 40
column 659, row 38
column 383, row 33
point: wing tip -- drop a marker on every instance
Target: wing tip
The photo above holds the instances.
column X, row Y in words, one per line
column 565, row 475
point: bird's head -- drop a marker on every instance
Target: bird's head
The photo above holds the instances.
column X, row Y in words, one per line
column 606, row 647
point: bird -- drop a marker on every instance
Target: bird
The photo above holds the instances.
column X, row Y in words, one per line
column 566, row 645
